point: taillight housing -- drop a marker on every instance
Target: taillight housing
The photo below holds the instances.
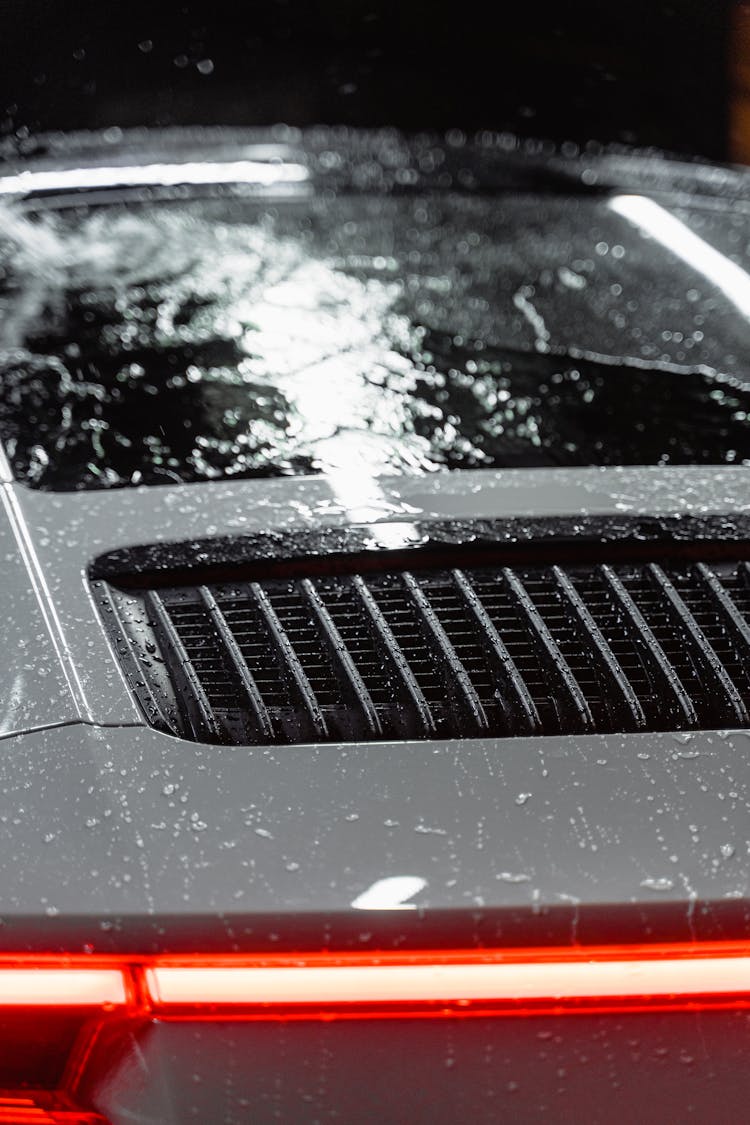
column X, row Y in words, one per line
column 41, row 1107
column 55, row 1010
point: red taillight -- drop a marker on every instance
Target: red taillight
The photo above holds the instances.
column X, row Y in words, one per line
column 50, row 1013
column 62, row 987
column 463, row 982
column 52, row 1009
column 43, row 1108
column 101, row 987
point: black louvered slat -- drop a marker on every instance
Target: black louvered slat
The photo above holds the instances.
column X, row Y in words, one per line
column 392, row 652
column 572, row 700
column 735, row 622
column 187, row 683
column 342, row 659
column 626, row 706
column 315, row 725
column 516, row 696
column 658, row 663
column 161, row 714
column 256, row 704
column 457, row 680
column 711, row 666
column 477, row 650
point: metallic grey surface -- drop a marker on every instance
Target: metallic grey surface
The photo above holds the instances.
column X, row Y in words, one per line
column 38, row 685
column 602, row 1069
column 128, row 837
column 131, row 839
column 69, row 530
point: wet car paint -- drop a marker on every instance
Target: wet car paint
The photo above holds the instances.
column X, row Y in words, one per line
column 119, row 839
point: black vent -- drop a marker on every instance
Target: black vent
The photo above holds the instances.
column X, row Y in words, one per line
column 494, row 651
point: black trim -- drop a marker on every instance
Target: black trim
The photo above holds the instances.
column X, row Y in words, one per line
column 438, row 544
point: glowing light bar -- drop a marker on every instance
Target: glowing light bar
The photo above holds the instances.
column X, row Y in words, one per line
column 61, row 987
column 419, row 982
column 660, row 224
column 155, row 175
column 557, row 981
column 43, row 1108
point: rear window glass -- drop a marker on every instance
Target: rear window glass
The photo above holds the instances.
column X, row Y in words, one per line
column 226, row 337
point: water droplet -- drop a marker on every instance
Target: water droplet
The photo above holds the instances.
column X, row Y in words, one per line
column 658, row 884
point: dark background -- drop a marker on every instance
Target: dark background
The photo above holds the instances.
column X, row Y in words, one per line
column 644, row 73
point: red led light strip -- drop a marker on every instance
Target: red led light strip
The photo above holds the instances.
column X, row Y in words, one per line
column 60, row 986
column 466, row 983
column 426, row 982
column 43, row 1108
column 111, row 995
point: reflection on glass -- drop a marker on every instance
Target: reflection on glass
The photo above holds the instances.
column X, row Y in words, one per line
column 655, row 221
column 226, row 338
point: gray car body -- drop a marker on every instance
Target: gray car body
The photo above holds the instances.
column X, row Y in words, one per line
column 115, row 836
column 118, row 837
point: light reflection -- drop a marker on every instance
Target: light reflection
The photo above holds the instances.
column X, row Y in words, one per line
column 391, row 536
column 319, row 335
column 323, row 339
column 154, row 175
column 654, row 220
column 364, row 500
column 281, row 358
column 390, row 893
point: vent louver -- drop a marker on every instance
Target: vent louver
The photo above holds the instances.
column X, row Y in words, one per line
column 497, row 651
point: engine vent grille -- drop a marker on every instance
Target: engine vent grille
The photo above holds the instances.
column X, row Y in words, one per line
column 454, row 653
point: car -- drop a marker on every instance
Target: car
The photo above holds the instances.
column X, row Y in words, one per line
column 377, row 620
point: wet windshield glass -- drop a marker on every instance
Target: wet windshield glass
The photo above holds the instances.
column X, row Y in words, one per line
column 410, row 313
column 189, row 340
